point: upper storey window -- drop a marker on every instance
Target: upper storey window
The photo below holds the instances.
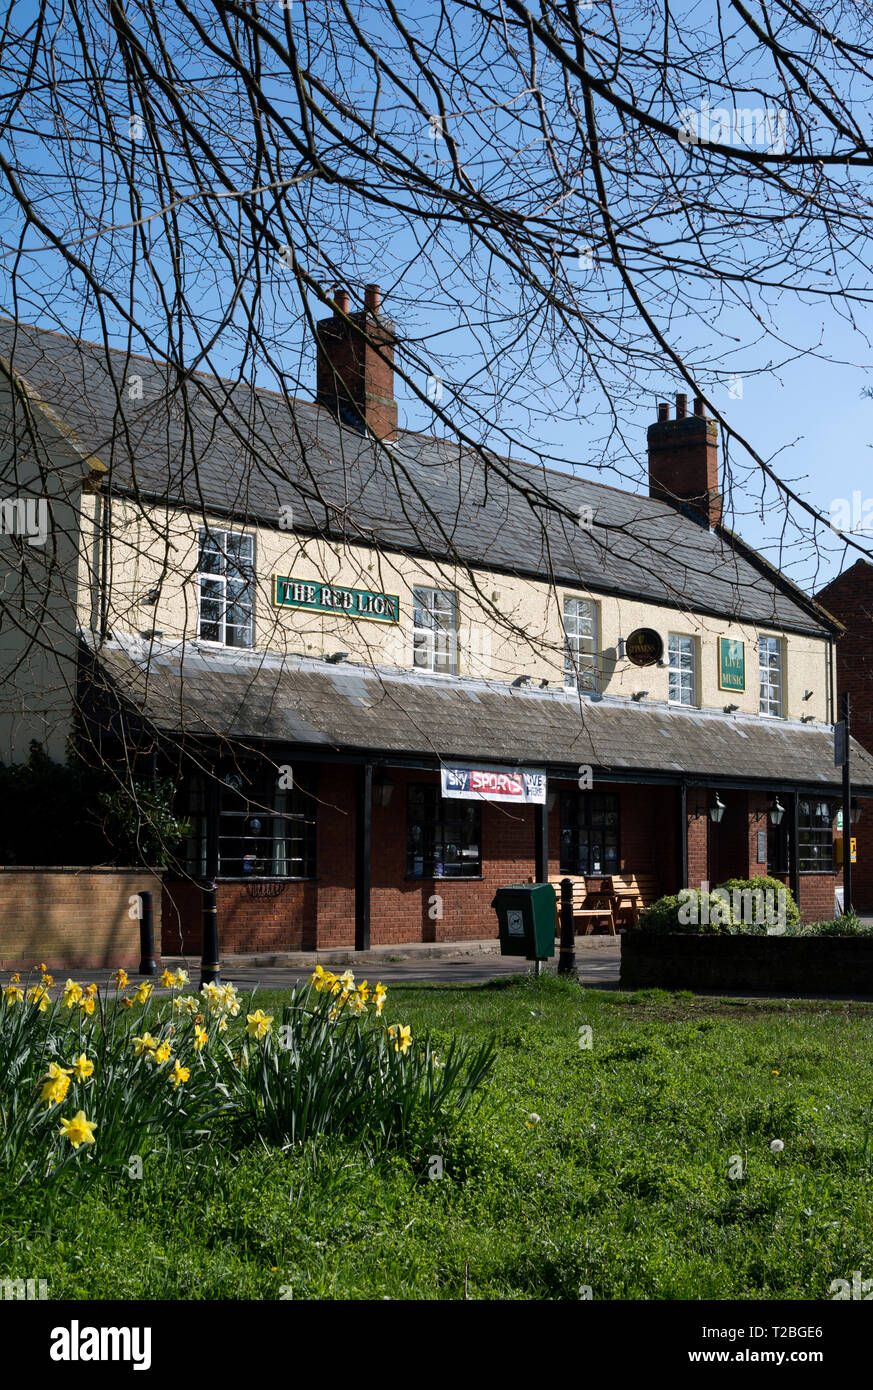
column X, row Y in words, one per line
column 226, row 584
column 580, row 644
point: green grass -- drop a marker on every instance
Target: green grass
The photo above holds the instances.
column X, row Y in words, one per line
column 622, row 1186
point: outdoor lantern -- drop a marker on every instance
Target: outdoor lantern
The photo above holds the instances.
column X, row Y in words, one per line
column 716, row 810
column 383, row 787
column 777, row 811
column 855, row 811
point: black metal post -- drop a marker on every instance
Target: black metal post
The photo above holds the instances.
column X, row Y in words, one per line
column 210, row 972
column 567, row 956
column 148, row 964
column 363, row 847
column 541, row 845
column 847, row 815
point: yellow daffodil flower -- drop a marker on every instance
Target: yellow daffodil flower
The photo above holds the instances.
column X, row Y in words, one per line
column 200, row 1038
column 258, row 1024
column 379, row 994
column 364, row 990
column 57, row 1083
column 181, row 978
column 78, row 1130
column 402, row 1037
column 15, row 979
column 121, row 980
column 168, row 979
column 72, row 994
column 38, row 994
column 48, row 980
column 321, row 978
column 179, row 1074
column 162, row 1053
column 82, row 1068
column 91, row 991
column 142, row 992
column 127, row 1001
column 86, row 1004
column 41, row 966
column 145, row 1044
column 13, row 995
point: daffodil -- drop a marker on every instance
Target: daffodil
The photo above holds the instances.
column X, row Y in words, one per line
column 162, row 1053
column 142, row 992
column 259, row 1024
column 181, row 978
column 121, row 979
column 168, row 979
column 56, row 1084
column 91, row 990
column 15, row 979
column 41, row 966
column 72, row 994
column 127, row 1001
column 364, row 991
column 86, row 1004
column 379, row 994
column 321, row 978
column 78, row 1130
column 179, row 1074
column 13, row 995
column 402, row 1037
column 200, row 1038
column 82, row 1067
column 145, row 1044
column 48, row 980
column 230, row 1000
column 39, row 995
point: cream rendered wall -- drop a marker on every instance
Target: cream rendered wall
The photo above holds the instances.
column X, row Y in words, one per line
column 507, row 626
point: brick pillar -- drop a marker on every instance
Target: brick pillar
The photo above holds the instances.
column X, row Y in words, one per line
column 698, row 840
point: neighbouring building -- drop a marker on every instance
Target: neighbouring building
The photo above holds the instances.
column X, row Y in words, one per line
column 849, row 598
column 385, row 679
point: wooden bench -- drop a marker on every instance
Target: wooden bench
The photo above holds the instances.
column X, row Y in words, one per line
column 588, row 915
column 635, row 892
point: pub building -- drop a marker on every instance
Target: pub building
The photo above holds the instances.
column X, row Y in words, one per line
column 386, row 685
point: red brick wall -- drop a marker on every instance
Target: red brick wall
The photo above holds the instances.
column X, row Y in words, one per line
column 72, row 918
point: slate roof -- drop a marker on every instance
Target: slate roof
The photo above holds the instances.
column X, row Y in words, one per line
column 356, row 708
column 254, row 453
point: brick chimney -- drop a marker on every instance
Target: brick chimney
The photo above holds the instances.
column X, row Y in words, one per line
column 353, row 382
column 683, row 460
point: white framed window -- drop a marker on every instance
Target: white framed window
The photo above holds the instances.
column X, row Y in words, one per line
column 435, row 630
column 682, row 657
column 226, row 588
column 580, row 644
column 770, row 658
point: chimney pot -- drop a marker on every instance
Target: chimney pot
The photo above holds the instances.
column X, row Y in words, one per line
column 681, row 405
column 699, row 407
column 683, row 461
column 663, row 411
column 355, row 365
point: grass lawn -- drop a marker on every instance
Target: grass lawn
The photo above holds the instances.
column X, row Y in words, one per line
column 622, row 1186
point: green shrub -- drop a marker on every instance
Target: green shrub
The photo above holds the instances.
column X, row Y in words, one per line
column 737, row 906
column 685, row 913
column 849, row 925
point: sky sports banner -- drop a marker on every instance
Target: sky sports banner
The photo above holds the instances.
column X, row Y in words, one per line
column 466, row 782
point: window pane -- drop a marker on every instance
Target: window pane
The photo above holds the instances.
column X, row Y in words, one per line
column 580, row 640
column 442, row 837
column 435, row 637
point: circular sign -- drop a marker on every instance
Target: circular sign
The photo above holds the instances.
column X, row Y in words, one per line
column 644, row 647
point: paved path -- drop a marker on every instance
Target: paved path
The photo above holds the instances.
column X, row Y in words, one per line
column 598, row 961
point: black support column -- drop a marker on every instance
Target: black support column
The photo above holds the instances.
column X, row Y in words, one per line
column 541, row 842
column 210, row 973
column 683, row 836
column 363, row 846
column 794, row 847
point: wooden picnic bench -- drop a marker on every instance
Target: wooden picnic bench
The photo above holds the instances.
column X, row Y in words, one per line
column 588, row 908
column 632, row 893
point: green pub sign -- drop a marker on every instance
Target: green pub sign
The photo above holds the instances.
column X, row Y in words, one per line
column 334, row 598
column 731, row 664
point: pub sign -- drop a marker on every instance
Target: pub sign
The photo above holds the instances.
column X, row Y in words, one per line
column 731, row 664
column 467, row 782
column 335, row 598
